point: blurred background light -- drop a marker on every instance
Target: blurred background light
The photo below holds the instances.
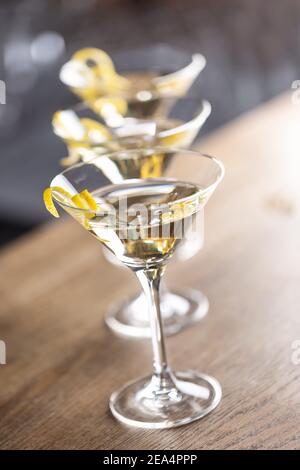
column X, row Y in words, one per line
column 47, row 47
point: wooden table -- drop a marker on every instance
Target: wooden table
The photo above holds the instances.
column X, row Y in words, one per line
column 63, row 363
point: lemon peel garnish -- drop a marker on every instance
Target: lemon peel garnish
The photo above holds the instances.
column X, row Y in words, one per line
column 100, row 73
column 79, row 131
column 82, row 200
column 92, row 54
column 86, row 195
column 48, row 199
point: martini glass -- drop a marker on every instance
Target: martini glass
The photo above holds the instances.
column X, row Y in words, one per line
column 143, row 222
column 88, row 134
column 140, row 78
column 79, row 128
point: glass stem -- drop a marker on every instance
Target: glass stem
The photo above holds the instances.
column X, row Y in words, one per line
column 150, row 281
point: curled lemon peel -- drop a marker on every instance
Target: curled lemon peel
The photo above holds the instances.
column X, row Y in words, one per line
column 93, row 54
column 88, row 130
column 82, row 200
column 86, row 195
column 101, row 78
column 48, row 199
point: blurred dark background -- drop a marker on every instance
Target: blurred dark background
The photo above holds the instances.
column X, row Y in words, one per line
column 252, row 49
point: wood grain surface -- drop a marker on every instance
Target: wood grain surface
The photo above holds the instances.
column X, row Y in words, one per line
column 63, row 363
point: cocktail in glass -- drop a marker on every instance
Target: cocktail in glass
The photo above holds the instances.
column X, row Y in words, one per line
column 143, row 222
column 139, row 78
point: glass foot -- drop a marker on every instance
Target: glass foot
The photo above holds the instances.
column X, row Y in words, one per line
column 179, row 309
column 174, row 401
